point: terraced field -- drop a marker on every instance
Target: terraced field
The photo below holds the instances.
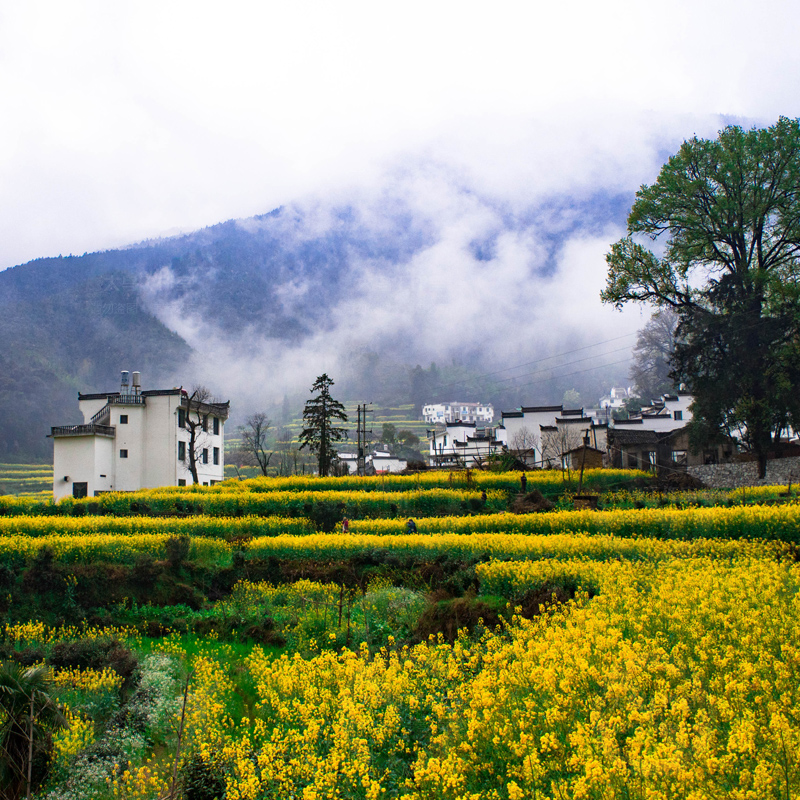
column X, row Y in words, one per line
column 219, row 642
column 25, row 479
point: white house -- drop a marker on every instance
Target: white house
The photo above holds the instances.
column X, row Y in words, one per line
column 461, row 444
column 540, row 435
column 442, row 413
column 379, row 462
column 668, row 413
column 134, row 439
column 616, row 398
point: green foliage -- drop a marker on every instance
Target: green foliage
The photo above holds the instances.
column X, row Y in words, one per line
column 389, row 433
column 320, row 432
column 202, row 779
column 729, row 210
column 29, row 715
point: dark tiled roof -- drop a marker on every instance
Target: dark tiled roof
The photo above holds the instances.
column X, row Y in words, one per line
column 511, row 414
column 97, row 395
column 160, row 392
column 621, row 437
column 532, row 409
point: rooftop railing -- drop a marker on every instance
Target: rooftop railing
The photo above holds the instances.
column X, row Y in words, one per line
column 83, row 430
column 127, row 400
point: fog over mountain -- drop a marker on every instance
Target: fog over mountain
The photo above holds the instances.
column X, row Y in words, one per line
column 422, row 270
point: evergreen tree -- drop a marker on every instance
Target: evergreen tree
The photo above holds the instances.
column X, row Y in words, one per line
column 319, row 433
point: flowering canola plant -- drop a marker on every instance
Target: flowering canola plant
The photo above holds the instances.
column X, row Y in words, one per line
column 754, row 521
column 677, row 680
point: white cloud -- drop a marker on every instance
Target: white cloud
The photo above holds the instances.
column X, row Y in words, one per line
column 123, row 121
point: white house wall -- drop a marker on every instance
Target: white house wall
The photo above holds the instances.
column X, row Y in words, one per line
column 90, row 407
column 130, row 439
column 83, row 459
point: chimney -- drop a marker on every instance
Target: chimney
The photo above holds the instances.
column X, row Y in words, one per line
column 123, row 389
column 137, row 386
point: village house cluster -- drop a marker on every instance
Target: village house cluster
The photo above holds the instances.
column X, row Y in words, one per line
column 553, row 436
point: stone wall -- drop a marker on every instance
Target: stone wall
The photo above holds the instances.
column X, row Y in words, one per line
column 730, row 476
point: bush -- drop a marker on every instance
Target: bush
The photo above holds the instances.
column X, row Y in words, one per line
column 202, row 779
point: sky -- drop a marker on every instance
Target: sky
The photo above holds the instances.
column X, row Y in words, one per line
column 123, row 122
column 128, row 121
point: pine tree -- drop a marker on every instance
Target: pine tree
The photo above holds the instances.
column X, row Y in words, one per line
column 319, row 433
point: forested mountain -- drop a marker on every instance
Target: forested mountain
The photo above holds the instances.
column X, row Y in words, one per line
column 253, row 307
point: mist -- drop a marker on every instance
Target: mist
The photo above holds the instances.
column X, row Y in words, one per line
column 433, row 267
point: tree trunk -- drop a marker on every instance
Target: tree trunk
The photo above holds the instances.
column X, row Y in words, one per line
column 762, row 465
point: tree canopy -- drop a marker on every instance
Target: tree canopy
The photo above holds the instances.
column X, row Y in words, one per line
column 320, row 432
column 728, row 213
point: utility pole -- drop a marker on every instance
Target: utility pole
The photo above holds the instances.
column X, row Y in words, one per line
column 361, row 436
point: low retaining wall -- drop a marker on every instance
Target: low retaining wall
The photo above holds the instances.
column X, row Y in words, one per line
column 732, row 476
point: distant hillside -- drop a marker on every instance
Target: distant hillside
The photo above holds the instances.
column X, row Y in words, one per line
column 257, row 308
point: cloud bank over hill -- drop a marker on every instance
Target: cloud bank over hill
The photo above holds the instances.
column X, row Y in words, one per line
column 419, row 268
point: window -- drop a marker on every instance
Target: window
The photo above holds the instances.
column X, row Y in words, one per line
column 205, row 483
column 123, row 453
column 216, row 456
column 216, row 426
column 80, row 489
column 123, row 419
column 205, row 455
column 181, row 418
column 181, row 481
column 205, row 422
column 677, row 415
column 181, row 451
column 679, row 456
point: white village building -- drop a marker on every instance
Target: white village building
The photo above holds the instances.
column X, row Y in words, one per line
column 668, row 413
column 134, row 439
column 379, row 462
column 461, row 444
column 442, row 413
column 540, row 436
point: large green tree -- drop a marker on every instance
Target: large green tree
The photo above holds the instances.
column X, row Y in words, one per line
column 319, row 418
column 727, row 212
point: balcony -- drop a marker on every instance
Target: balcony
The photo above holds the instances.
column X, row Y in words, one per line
column 83, row 430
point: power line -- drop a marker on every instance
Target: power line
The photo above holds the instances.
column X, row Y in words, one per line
column 579, row 371
column 568, row 364
column 442, row 386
